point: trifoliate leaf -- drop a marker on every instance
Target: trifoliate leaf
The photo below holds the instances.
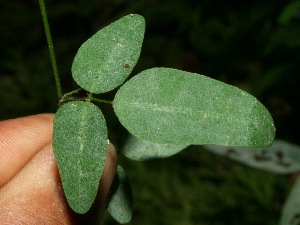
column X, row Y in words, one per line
column 80, row 145
column 106, row 59
column 175, row 107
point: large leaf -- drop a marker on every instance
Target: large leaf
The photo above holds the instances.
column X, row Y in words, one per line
column 106, row 59
column 282, row 157
column 80, row 144
column 140, row 150
column 291, row 209
column 120, row 202
column 171, row 106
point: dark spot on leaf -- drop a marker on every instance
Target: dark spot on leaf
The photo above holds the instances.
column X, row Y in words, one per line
column 283, row 163
column 262, row 156
column 126, row 65
column 280, row 160
column 231, row 151
column 279, row 154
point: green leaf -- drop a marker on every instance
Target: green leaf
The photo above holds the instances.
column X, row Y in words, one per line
column 80, row 145
column 282, row 157
column 120, row 202
column 140, row 150
column 175, row 107
column 291, row 209
column 289, row 12
column 106, row 59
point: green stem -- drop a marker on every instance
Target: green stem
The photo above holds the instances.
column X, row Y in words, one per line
column 68, row 97
column 71, row 93
column 91, row 98
column 51, row 49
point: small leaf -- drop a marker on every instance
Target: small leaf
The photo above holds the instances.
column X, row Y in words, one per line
column 137, row 149
column 291, row 209
column 120, row 203
column 106, row 59
column 282, row 157
column 80, row 145
column 291, row 11
column 175, row 107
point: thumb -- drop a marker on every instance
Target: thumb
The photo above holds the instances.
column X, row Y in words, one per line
column 35, row 194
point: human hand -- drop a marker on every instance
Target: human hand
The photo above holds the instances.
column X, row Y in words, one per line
column 30, row 186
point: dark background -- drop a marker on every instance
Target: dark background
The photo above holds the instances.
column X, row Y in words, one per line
column 245, row 44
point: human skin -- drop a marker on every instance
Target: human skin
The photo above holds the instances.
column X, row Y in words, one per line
column 30, row 186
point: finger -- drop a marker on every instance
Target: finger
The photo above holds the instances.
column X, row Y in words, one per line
column 20, row 140
column 35, row 195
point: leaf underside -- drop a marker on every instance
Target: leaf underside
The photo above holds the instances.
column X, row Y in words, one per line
column 291, row 209
column 165, row 105
column 140, row 150
column 120, row 203
column 105, row 60
column 80, row 145
column 282, row 157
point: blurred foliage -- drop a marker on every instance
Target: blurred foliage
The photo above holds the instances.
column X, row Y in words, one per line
column 241, row 43
column 212, row 190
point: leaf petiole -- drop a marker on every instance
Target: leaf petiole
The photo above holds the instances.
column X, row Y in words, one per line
column 71, row 93
column 69, row 97
column 91, row 98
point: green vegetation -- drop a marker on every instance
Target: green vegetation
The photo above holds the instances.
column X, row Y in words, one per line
column 244, row 46
column 160, row 105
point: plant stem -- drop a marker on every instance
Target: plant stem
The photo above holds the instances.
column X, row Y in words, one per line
column 72, row 92
column 91, row 98
column 68, row 97
column 51, row 49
